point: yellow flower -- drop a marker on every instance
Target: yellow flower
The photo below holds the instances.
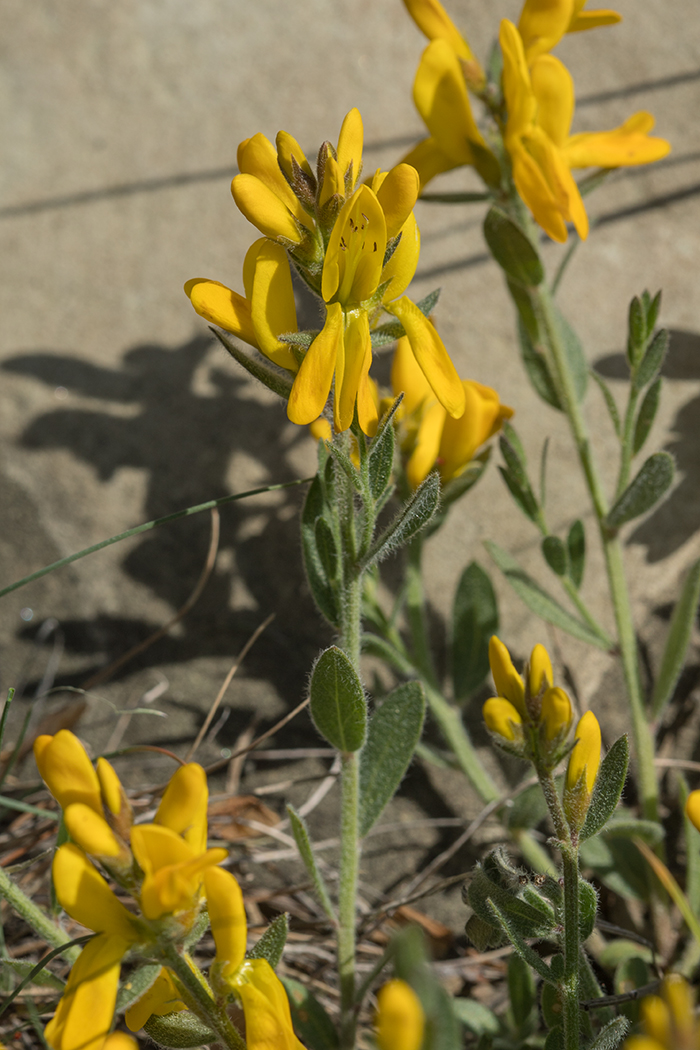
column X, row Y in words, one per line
column 432, row 19
column 265, row 312
column 253, row 981
column 669, row 1019
column 540, row 104
column 440, row 96
column 400, row 1020
column 534, row 702
column 585, row 757
column 692, row 808
column 356, row 286
column 429, row 436
column 543, row 23
column 172, row 868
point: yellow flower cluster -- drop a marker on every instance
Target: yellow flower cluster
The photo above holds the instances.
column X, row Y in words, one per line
column 532, row 718
column 166, row 868
column 669, row 1020
column 537, row 112
column 356, row 245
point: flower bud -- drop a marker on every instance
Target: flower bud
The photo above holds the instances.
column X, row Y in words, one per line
column 582, row 770
column 540, row 674
column 508, row 682
column 502, row 718
column 400, row 1018
column 692, row 808
column 556, row 713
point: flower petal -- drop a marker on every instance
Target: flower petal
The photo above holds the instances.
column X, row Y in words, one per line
column 221, row 306
column 356, row 363
column 542, row 25
column 593, row 19
column 427, row 444
column 508, row 682
column 431, row 355
column 264, row 209
column 556, row 712
column 535, row 192
column 397, row 195
column 540, row 675
column 350, row 143
column 517, row 89
column 355, row 252
column 429, row 160
column 288, row 147
column 227, row 917
column 90, row 831
column 333, row 180
column 501, row 717
column 400, row 1017
column 258, row 158
column 402, row 264
column 553, row 87
column 440, row 95
column 432, row 19
column 407, row 377
column 64, row 764
column 161, row 998
column 86, row 1009
column 312, row 384
column 585, row 757
column 462, row 437
column 87, row 898
column 183, row 807
column 272, row 304
column 626, row 145
column 268, row 1020
column 110, row 787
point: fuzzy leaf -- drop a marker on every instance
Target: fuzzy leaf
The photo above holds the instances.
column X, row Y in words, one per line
column 646, row 416
column 325, row 545
column 338, row 704
column 636, row 330
column 538, row 600
column 381, row 453
column 653, row 480
column 474, row 620
column 677, row 642
column 413, row 516
column 524, row 497
column 521, row 990
column 311, row 1022
column 476, row 1017
column 318, row 581
column 573, row 349
column 609, row 401
column 512, row 248
column 608, row 788
column 610, row 1037
column 136, row 985
column 427, row 304
column 43, row 979
column 179, row 1030
column 653, row 359
column 528, row 954
column 271, row 944
column 276, row 380
column 555, row 554
column 537, row 368
column 393, row 734
column 576, row 549
column 587, row 908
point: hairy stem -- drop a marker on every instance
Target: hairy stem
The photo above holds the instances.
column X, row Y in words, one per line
column 35, row 917
column 198, row 996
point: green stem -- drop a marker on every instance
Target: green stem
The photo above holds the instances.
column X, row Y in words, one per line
column 35, row 917
column 199, row 998
column 626, row 452
column 612, row 549
column 349, row 868
column 570, row 982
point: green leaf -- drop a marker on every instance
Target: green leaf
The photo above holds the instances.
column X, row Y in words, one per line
column 303, row 339
column 512, row 248
column 615, row 863
column 587, row 908
column 652, row 311
column 385, row 334
column 625, row 827
column 523, row 304
column 576, row 549
column 476, row 1017
column 608, row 788
column 302, row 840
column 271, row 944
column 413, row 516
column 555, row 554
column 653, row 359
column 276, row 380
column 609, row 401
column 636, row 330
column 555, row 1039
column 177, row 1030
column 521, row 990
column 393, row 734
column 381, row 453
column 338, row 704
column 346, row 464
column 538, row 600
column 528, row 954
column 43, row 979
column 616, row 952
column 474, row 620
column 610, row 1037
column 537, row 368
column 677, row 642
column 551, row 1005
column 325, row 545
column 136, row 985
column 514, row 455
column 427, row 304
column 524, row 497
column 319, row 584
column 311, row 1023
column 653, row 480
column 646, row 416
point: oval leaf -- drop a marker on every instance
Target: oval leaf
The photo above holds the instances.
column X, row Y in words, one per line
column 647, row 414
column 608, row 788
column 576, row 549
column 647, row 488
column 179, row 1030
column 271, row 945
column 338, row 705
column 474, row 620
column 555, row 555
column 391, row 741
column 512, row 248
column 653, row 359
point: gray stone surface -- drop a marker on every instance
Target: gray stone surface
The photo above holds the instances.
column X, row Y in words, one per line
column 120, row 123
